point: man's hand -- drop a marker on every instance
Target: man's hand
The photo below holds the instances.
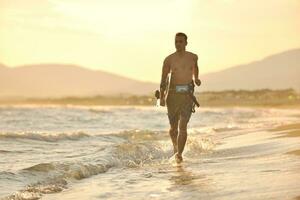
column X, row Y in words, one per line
column 162, row 97
column 162, row 102
column 198, row 82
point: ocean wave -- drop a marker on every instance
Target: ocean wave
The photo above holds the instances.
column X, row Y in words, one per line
column 73, row 170
column 136, row 151
column 55, row 178
column 5, row 151
column 48, row 137
column 196, row 145
column 142, row 135
column 227, row 128
column 132, row 154
column 134, row 134
column 56, row 175
column 140, row 152
column 99, row 111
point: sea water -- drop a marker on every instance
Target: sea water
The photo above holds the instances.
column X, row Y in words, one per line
column 125, row 152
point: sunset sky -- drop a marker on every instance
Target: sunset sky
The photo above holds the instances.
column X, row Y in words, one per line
column 133, row 37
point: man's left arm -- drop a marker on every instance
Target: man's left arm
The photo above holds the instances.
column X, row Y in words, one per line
column 196, row 71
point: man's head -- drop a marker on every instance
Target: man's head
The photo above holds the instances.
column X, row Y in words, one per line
column 180, row 41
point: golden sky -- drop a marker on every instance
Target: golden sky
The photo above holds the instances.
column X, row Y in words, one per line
column 133, row 37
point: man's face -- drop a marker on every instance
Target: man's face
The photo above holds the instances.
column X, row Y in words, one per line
column 180, row 43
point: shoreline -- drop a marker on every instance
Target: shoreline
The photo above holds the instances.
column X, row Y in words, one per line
column 265, row 98
column 295, row 106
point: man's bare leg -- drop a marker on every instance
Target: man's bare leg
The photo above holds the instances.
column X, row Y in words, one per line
column 181, row 140
column 173, row 132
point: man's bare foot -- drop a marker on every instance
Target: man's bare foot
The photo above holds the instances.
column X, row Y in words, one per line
column 178, row 158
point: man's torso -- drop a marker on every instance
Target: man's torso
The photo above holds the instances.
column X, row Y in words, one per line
column 181, row 67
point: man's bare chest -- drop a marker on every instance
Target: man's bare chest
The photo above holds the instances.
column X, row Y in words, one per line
column 182, row 64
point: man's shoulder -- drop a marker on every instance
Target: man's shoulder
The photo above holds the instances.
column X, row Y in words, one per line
column 172, row 55
column 193, row 55
column 169, row 57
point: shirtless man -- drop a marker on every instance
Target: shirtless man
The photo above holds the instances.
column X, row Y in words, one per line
column 183, row 66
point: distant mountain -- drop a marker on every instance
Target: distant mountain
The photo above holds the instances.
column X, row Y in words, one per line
column 57, row 80
column 1, row 65
column 278, row 71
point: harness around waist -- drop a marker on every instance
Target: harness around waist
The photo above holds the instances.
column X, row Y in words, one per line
column 182, row 88
column 185, row 89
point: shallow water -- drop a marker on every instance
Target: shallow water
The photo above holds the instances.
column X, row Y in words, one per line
column 67, row 152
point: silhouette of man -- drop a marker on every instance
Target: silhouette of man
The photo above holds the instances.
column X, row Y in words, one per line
column 183, row 66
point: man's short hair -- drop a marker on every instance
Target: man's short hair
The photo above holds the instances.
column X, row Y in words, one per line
column 182, row 34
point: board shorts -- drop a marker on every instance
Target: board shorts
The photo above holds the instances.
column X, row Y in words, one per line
column 179, row 107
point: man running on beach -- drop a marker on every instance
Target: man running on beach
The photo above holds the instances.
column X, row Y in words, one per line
column 182, row 65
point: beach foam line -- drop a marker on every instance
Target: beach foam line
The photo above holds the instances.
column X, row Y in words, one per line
column 291, row 126
column 71, row 170
column 141, row 135
column 59, row 136
column 134, row 134
column 48, row 137
column 288, row 130
column 130, row 134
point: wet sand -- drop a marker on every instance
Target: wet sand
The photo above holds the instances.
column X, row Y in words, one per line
column 251, row 165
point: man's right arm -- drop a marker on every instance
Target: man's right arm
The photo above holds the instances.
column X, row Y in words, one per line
column 165, row 72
